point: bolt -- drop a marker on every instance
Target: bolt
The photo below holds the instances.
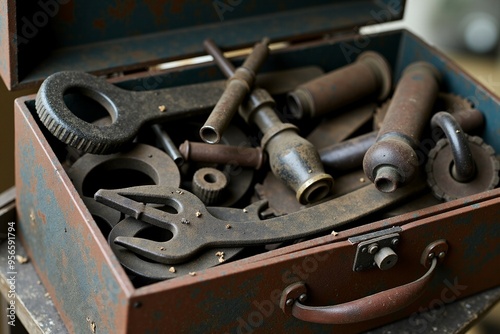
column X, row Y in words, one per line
column 302, row 298
column 289, row 302
column 442, row 255
column 223, row 154
column 363, row 250
column 431, row 256
column 372, row 249
column 395, row 241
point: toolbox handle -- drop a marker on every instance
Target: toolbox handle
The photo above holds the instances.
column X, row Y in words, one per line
column 366, row 308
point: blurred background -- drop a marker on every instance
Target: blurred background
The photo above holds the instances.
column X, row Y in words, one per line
column 465, row 30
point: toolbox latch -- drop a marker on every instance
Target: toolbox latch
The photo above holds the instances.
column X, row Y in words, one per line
column 376, row 249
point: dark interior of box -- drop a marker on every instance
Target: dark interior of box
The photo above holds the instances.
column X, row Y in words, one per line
column 400, row 48
column 121, row 36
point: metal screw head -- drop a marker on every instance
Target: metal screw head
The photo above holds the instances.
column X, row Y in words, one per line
column 372, row 249
column 363, row 250
column 442, row 255
column 395, row 241
column 289, row 302
column 302, row 298
column 431, row 255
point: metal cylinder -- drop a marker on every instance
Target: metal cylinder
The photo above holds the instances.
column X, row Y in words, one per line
column 208, row 185
column 392, row 161
column 348, row 154
column 386, row 258
column 238, row 86
column 369, row 75
column 294, row 160
column 223, row 154
column 168, row 145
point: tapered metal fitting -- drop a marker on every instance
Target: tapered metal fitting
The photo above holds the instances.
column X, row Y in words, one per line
column 208, row 184
column 238, row 86
column 370, row 75
column 392, row 161
column 223, row 154
column 293, row 159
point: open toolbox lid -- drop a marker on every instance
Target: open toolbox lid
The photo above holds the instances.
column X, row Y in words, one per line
column 38, row 38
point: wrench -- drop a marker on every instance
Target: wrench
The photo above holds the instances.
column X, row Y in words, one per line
column 193, row 232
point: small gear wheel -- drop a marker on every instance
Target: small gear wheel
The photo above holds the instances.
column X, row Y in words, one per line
column 443, row 184
column 444, row 102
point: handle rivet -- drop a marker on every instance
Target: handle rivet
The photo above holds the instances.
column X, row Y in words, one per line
column 363, row 249
column 302, row 298
column 442, row 255
column 395, row 241
column 359, row 268
column 289, row 302
column 431, row 255
column 372, row 249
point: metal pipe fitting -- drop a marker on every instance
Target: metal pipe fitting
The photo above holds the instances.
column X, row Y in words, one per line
column 392, row 161
column 223, row 154
column 369, row 75
column 239, row 84
column 293, row 159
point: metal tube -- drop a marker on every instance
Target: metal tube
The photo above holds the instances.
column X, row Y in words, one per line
column 239, row 85
column 222, row 154
column 294, row 160
column 369, row 75
column 392, row 161
column 168, row 145
column 464, row 167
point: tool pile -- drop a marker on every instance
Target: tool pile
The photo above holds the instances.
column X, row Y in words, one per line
column 171, row 205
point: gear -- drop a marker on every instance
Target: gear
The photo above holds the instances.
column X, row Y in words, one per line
column 441, row 181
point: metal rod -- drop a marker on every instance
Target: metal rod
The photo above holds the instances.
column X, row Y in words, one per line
column 238, row 87
column 168, row 145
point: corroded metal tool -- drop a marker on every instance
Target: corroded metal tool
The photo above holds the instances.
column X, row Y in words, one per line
column 292, row 158
column 194, row 228
column 392, row 161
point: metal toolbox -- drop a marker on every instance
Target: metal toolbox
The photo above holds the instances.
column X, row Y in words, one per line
column 84, row 277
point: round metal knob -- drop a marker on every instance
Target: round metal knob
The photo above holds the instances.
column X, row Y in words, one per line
column 386, row 258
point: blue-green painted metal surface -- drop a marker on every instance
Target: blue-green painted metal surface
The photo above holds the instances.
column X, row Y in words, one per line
column 110, row 36
column 229, row 298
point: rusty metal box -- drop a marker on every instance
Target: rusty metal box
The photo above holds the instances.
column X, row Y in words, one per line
column 93, row 292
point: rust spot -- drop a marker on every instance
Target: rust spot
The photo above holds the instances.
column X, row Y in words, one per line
column 42, row 217
column 99, row 24
column 122, row 9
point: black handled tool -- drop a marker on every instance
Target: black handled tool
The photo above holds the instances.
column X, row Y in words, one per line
column 129, row 110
